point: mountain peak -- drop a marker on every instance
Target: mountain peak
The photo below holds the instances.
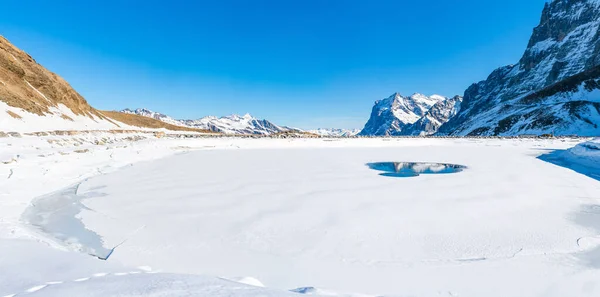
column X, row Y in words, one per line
column 237, row 117
column 551, row 90
column 438, row 97
column 391, row 115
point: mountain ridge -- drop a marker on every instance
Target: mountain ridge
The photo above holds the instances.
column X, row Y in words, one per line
column 562, row 49
column 553, row 89
column 400, row 115
column 231, row 124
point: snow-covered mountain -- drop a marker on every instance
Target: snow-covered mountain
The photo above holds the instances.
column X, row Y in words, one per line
column 396, row 115
column 332, row 132
column 155, row 115
column 439, row 114
column 233, row 124
column 554, row 88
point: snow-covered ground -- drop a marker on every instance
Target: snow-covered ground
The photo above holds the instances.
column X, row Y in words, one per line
column 583, row 158
column 14, row 119
column 299, row 216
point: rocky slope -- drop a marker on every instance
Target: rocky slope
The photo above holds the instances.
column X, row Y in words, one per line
column 34, row 99
column 233, row 124
column 439, row 114
column 552, row 89
column 399, row 115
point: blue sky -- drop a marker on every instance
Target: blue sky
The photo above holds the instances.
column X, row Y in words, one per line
column 303, row 63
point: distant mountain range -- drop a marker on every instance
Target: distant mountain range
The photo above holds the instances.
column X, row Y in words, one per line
column 553, row 89
column 233, row 124
column 335, row 132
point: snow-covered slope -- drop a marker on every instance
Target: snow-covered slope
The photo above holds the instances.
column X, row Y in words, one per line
column 552, row 89
column 333, row 132
column 59, row 117
column 233, row 124
column 396, row 115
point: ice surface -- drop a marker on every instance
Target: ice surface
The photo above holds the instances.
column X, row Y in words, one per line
column 302, row 213
column 55, row 214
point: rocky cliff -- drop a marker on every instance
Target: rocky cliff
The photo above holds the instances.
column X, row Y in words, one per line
column 553, row 87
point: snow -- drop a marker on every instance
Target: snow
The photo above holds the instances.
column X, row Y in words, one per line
column 414, row 107
column 333, row 132
column 567, row 47
column 583, row 158
column 52, row 121
column 223, row 217
column 235, row 124
column 392, row 115
column 543, row 45
column 437, row 98
column 576, row 47
column 582, row 38
column 37, row 91
column 248, row 281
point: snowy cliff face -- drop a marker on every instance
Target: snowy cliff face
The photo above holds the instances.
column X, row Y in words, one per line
column 546, row 91
column 397, row 114
column 233, row 124
column 435, row 117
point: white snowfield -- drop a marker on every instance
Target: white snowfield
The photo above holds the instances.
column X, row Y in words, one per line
column 227, row 216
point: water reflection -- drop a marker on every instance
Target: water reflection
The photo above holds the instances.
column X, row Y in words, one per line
column 411, row 169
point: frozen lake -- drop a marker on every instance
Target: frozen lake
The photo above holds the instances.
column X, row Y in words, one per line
column 317, row 216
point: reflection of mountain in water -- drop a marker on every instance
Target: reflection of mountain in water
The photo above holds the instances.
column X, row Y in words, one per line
column 410, row 169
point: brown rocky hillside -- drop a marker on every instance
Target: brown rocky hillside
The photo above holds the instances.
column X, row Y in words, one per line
column 146, row 122
column 27, row 85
